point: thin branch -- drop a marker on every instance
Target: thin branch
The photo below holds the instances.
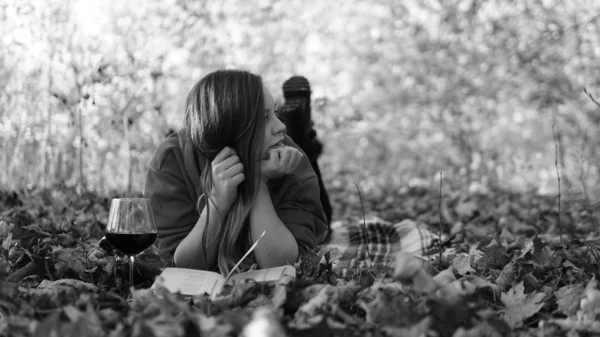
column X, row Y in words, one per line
column 591, row 97
column 361, row 204
column 54, row 229
column 364, row 219
column 440, row 224
column 558, row 178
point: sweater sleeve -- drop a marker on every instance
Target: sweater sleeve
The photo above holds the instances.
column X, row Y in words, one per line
column 173, row 207
column 301, row 211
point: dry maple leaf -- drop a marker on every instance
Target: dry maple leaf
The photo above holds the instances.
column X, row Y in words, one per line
column 568, row 299
column 496, row 255
column 590, row 303
column 462, row 264
column 520, row 306
column 507, row 275
column 411, row 270
column 386, row 305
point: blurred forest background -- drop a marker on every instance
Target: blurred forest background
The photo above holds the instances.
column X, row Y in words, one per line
column 484, row 91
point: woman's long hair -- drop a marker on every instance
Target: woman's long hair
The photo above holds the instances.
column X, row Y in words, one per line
column 225, row 108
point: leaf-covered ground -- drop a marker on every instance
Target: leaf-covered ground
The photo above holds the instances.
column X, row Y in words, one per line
column 505, row 270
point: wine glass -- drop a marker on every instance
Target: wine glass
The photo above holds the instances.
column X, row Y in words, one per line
column 131, row 227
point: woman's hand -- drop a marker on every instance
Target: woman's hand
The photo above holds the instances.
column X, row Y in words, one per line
column 282, row 160
column 227, row 174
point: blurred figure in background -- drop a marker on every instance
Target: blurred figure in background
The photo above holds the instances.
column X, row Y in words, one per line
column 296, row 115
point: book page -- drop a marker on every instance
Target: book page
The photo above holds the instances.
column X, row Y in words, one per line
column 190, row 281
column 264, row 275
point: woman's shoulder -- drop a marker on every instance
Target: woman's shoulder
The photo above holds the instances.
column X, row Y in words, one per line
column 168, row 147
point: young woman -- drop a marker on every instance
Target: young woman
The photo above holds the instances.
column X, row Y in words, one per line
column 230, row 174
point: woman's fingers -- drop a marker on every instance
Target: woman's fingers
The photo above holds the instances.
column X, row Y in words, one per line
column 233, row 170
column 296, row 158
column 237, row 179
column 290, row 159
column 285, row 157
column 229, row 162
column 225, row 153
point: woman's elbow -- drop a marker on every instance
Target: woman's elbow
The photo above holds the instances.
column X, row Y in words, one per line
column 283, row 257
column 183, row 259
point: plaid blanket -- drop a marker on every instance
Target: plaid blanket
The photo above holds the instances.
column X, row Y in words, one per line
column 373, row 244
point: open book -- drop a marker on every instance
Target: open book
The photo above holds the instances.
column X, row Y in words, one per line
column 192, row 282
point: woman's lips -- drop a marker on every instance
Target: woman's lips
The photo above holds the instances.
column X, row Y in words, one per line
column 278, row 144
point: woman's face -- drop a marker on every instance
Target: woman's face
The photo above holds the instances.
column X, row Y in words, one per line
column 274, row 128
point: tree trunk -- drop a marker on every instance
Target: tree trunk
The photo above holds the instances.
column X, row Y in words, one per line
column 102, row 179
column 80, row 153
column 46, row 148
column 10, row 181
column 128, row 149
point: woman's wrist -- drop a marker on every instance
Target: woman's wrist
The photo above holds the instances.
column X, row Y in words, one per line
column 263, row 188
column 218, row 206
column 263, row 180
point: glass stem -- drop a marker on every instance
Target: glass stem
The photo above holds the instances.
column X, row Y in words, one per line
column 131, row 260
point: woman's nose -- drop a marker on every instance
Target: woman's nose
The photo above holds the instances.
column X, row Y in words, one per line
column 279, row 127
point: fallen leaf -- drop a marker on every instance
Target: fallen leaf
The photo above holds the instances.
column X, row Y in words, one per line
column 410, row 269
column 506, row 235
column 6, row 243
column 543, row 256
column 466, row 209
column 573, row 323
column 416, row 330
column 264, row 323
column 568, row 299
column 496, row 255
column 213, row 326
column 590, row 303
column 520, row 306
column 531, row 281
column 328, row 295
column 507, row 275
column 480, row 283
column 279, row 295
column 5, row 228
column 71, row 257
column 386, row 305
column 481, row 330
column 446, row 276
column 462, row 264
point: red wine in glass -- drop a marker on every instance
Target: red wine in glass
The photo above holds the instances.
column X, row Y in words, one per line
column 130, row 243
column 131, row 227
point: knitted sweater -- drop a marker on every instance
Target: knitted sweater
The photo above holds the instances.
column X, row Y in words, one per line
column 173, row 186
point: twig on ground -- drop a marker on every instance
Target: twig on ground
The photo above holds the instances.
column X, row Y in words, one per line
column 440, row 224
column 558, row 178
column 62, row 220
column 364, row 218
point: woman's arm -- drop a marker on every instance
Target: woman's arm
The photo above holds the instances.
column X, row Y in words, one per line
column 189, row 252
column 227, row 174
column 278, row 247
